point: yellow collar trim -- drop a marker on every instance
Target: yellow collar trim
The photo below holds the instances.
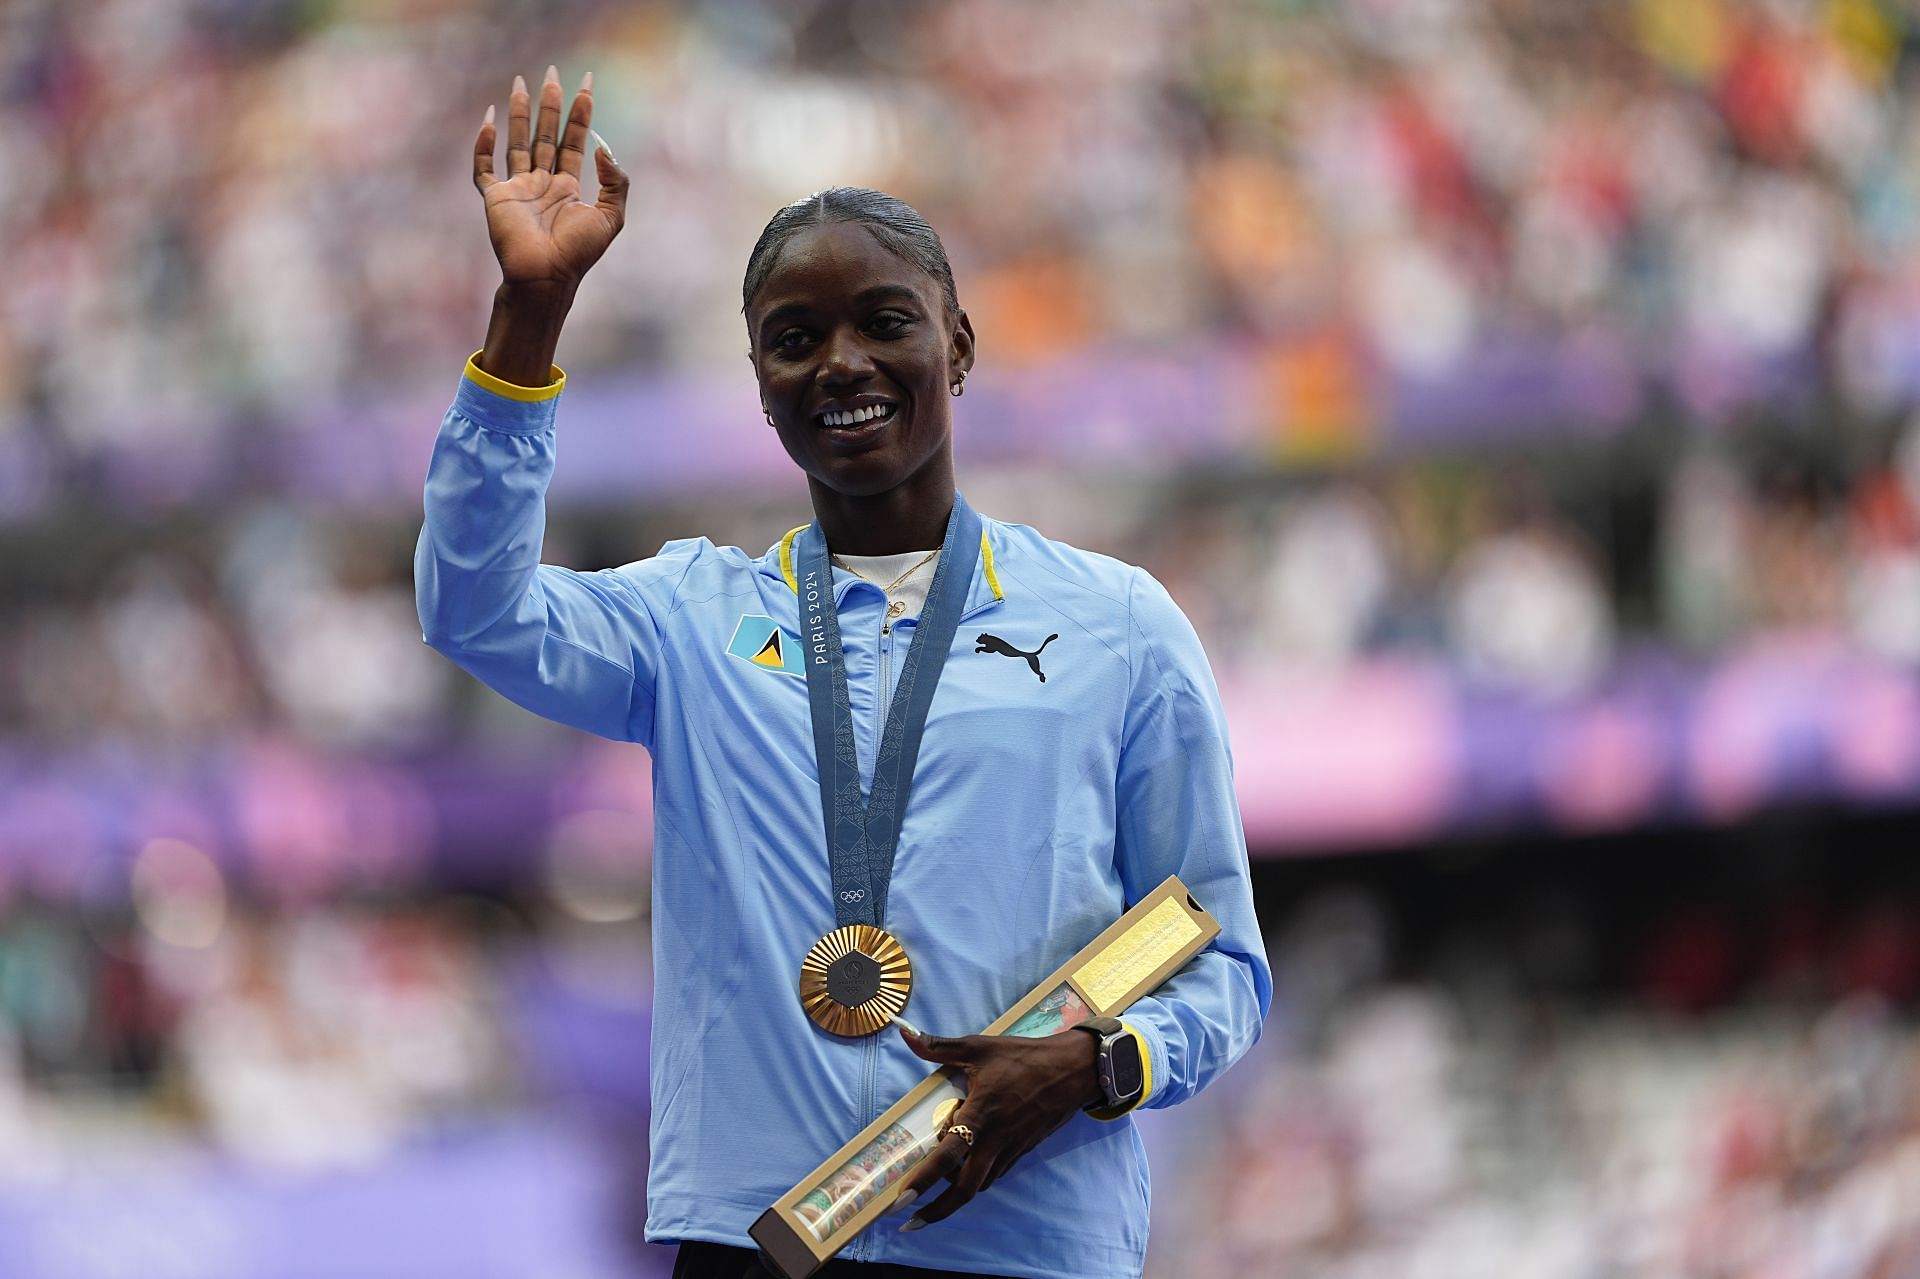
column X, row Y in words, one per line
column 986, row 562
column 793, row 582
column 786, row 558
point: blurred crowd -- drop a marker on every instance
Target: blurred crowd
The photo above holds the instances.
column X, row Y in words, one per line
column 1543, row 575
column 1539, row 577
column 1425, row 1143
column 240, row 233
column 1457, row 1121
column 263, row 621
column 221, row 215
column 1710, row 1096
column 314, row 1040
column 233, row 226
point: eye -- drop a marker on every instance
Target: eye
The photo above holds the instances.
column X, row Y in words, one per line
column 791, row 339
column 886, row 323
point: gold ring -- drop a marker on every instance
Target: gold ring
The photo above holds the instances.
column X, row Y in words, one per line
column 964, row 1131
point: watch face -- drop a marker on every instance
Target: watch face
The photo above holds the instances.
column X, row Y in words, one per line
column 1128, row 1078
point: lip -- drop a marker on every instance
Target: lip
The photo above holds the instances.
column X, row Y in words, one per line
column 845, row 441
column 857, row 439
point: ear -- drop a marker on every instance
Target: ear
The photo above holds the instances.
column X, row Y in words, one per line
column 960, row 346
column 752, row 360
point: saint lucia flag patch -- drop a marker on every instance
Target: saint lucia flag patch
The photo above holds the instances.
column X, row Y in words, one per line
column 757, row 640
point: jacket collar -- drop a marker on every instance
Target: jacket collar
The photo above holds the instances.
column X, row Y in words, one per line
column 985, row 589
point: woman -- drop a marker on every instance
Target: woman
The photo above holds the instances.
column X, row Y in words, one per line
column 1074, row 756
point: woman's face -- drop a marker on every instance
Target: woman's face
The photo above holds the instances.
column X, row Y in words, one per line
column 844, row 329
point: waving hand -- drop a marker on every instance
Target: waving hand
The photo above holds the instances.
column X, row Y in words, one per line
column 542, row 233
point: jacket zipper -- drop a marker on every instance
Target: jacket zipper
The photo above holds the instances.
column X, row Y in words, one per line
column 870, row 1058
column 864, row 1247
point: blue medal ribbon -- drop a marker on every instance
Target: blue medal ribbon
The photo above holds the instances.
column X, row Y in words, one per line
column 862, row 835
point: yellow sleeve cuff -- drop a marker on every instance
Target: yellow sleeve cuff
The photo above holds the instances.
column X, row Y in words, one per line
column 508, row 390
column 1107, row 1114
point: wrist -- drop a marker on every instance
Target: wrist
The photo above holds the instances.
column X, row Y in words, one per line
column 1087, row 1071
column 523, row 334
column 1120, row 1067
column 542, row 298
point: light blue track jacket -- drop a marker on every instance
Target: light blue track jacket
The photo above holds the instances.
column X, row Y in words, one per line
column 1040, row 811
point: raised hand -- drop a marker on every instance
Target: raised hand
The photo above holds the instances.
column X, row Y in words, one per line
column 543, row 234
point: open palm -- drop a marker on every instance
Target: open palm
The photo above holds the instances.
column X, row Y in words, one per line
column 542, row 233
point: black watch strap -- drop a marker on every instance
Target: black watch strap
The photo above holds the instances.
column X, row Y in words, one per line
column 1119, row 1062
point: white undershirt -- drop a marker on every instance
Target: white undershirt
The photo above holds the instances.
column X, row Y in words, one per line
column 881, row 569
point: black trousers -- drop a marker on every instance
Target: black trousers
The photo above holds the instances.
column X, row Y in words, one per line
column 717, row 1261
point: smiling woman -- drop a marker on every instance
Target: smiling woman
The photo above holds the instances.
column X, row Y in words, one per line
column 836, row 755
column 858, row 341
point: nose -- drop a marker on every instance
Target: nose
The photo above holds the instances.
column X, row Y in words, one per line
column 843, row 359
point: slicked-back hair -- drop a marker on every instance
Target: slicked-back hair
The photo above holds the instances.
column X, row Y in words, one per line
column 896, row 224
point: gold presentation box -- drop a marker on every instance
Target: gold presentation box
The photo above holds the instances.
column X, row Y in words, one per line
column 840, row 1198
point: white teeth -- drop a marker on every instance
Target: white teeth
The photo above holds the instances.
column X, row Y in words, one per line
column 855, row 417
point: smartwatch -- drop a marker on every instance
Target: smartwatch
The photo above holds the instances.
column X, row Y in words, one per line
column 1118, row 1062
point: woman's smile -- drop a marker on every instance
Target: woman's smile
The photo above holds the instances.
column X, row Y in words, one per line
column 852, row 431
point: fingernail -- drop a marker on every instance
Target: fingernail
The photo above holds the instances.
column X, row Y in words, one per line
column 904, row 1201
column 601, row 143
column 489, row 116
column 553, row 75
column 586, row 83
column 519, row 84
column 913, row 1224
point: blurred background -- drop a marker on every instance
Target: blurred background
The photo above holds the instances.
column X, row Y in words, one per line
column 1519, row 395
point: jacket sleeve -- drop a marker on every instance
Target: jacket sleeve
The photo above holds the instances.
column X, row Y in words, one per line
column 1177, row 815
column 580, row 648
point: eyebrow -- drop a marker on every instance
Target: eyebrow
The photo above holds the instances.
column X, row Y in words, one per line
column 886, row 293
column 866, row 297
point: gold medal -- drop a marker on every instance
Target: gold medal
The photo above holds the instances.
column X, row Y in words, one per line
column 854, row 980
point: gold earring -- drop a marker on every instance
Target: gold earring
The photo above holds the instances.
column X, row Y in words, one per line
column 959, row 387
column 768, row 416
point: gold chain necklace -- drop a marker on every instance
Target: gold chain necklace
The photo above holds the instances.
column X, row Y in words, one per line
column 894, row 607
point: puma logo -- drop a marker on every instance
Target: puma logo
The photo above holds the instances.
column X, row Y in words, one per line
column 994, row 644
